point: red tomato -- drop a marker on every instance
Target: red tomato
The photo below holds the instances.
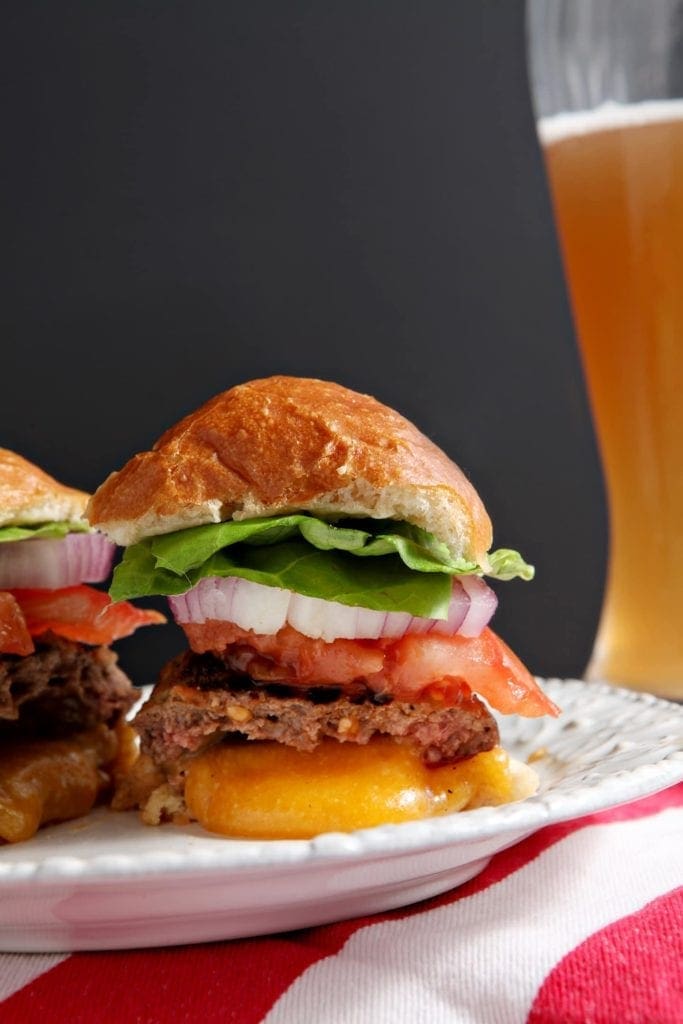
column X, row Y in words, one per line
column 414, row 666
column 288, row 656
column 485, row 663
column 82, row 613
column 14, row 635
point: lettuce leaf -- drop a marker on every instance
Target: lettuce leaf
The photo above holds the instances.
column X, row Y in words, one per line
column 506, row 565
column 385, row 584
column 355, row 565
column 45, row 530
column 188, row 549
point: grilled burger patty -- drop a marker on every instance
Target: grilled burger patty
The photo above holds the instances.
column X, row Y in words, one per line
column 63, row 687
column 200, row 700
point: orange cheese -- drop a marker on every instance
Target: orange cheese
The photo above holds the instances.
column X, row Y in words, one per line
column 267, row 790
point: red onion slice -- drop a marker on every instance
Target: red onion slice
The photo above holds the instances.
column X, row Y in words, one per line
column 370, row 623
column 420, row 626
column 55, row 562
column 483, row 603
column 251, row 611
column 265, row 610
column 222, row 596
column 397, row 623
column 458, row 610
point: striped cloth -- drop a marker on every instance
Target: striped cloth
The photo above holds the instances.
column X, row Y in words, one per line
column 581, row 922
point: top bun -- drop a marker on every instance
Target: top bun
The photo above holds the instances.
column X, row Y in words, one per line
column 286, row 444
column 28, row 495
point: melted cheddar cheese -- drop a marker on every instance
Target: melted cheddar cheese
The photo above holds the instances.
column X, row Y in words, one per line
column 270, row 791
column 51, row 780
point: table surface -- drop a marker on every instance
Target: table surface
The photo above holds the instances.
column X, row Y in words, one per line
column 580, row 922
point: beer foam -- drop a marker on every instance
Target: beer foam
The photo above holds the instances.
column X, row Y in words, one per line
column 607, row 115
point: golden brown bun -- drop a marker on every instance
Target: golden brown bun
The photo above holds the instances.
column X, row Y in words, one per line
column 28, row 495
column 284, row 444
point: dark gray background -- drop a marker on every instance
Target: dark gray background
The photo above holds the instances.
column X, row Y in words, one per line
column 200, row 193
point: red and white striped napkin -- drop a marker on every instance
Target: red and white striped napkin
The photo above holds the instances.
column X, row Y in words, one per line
column 581, row 922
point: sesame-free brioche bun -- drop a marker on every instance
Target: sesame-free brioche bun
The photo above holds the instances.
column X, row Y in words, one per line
column 286, row 444
column 28, row 495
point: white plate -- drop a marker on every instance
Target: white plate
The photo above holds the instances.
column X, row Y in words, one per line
column 109, row 882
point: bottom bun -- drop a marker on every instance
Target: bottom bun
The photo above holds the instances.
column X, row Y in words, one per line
column 267, row 790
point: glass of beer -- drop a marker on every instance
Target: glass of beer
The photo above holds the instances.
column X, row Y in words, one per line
column 606, row 81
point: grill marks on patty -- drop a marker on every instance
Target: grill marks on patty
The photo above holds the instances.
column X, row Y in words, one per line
column 199, row 701
column 62, row 688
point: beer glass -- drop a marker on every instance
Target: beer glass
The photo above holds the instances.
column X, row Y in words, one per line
column 606, row 81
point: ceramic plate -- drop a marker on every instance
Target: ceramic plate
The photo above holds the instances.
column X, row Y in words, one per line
column 109, row 882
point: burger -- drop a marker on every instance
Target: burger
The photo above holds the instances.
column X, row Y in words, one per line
column 63, row 697
column 326, row 562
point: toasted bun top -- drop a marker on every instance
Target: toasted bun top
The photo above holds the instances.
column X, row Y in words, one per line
column 285, row 444
column 28, row 495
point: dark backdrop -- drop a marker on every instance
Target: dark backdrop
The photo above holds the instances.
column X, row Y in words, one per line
column 200, row 193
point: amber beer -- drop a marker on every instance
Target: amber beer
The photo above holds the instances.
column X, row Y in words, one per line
column 616, row 177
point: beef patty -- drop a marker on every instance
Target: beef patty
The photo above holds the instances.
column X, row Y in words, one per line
column 62, row 688
column 199, row 700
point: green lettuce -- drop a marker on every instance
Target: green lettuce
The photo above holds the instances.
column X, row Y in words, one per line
column 506, row 565
column 185, row 550
column 384, row 584
column 355, row 565
column 44, row 530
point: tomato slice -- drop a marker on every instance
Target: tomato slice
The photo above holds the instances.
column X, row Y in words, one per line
column 410, row 668
column 82, row 613
column 14, row 635
column 484, row 662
